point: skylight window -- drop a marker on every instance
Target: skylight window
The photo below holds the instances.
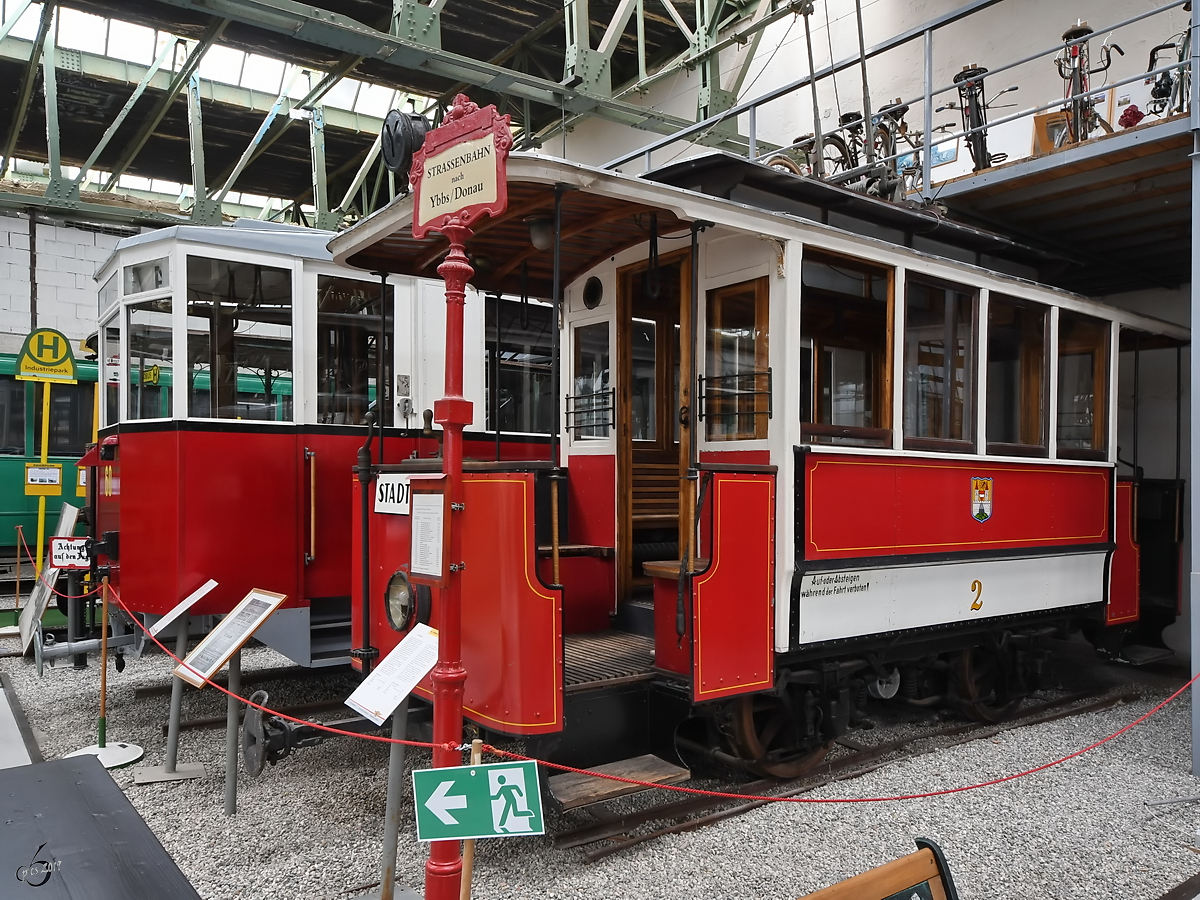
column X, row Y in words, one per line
column 223, row 64
column 375, row 100
column 262, row 74
column 27, row 25
column 81, row 31
column 134, row 43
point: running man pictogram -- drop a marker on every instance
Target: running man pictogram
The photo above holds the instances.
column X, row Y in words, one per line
column 510, row 803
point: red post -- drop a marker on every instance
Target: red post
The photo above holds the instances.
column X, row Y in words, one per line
column 443, row 870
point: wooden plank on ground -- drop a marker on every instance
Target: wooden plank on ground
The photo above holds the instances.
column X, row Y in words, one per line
column 886, row 880
column 573, row 790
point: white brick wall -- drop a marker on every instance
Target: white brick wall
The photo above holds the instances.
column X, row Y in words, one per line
column 66, row 261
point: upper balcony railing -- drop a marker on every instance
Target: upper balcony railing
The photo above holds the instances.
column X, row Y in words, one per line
column 888, row 160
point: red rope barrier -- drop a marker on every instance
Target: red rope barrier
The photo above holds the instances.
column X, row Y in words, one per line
column 40, row 577
column 724, row 795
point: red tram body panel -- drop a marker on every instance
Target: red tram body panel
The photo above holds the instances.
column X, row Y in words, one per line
column 856, row 506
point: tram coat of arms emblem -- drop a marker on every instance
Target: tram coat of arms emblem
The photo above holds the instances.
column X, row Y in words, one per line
column 981, row 499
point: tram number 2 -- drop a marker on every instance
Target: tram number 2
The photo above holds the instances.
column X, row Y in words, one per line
column 977, row 587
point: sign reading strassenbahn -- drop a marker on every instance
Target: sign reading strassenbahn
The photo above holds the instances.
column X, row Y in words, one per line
column 463, row 175
column 460, row 173
column 465, row 802
column 46, row 356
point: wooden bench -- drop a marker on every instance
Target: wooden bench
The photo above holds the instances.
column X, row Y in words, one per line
column 923, row 875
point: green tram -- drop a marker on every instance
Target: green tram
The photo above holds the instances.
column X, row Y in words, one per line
column 72, row 428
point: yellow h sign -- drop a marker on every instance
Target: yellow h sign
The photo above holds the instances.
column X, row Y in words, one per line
column 46, row 356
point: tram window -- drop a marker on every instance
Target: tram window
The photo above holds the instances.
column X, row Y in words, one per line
column 844, row 367
column 1083, row 344
column 239, row 346
column 148, row 327
column 1016, row 376
column 110, row 369
column 591, row 408
column 12, row 415
column 737, row 386
column 107, row 296
column 643, row 342
column 526, row 401
column 71, row 415
column 147, row 276
column 347, row 335
column 939, row 351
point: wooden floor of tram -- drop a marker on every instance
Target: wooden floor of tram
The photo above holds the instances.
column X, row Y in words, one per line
column 608, row 657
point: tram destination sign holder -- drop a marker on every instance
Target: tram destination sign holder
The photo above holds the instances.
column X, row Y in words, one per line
column 458, row 176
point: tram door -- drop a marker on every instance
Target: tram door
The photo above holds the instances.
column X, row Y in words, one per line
column 652, row 448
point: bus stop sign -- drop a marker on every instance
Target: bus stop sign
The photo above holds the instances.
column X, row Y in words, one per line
column 463, row 802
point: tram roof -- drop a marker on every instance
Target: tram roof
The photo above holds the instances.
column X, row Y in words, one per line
column 605, row 212
column 244, row 234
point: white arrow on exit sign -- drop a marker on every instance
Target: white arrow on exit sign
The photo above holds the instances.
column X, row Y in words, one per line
column 441, row 802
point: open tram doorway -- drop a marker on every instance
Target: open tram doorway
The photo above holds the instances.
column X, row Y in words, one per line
column 653, row 331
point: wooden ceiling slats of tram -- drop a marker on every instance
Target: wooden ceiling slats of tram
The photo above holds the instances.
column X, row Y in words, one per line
column 593, row 228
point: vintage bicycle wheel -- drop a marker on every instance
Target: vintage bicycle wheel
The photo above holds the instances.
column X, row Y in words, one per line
column 835, row 155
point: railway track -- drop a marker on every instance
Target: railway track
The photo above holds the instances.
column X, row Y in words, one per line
column 696, row 812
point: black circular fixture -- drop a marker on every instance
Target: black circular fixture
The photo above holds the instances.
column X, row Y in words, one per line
column 398, row 601
column 401, row 136
column 593, row 292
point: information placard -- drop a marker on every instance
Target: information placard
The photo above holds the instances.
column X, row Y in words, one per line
column 183, row 606
column 395, row 677
column 228, row 636
column 428, row 536
column 43, row 479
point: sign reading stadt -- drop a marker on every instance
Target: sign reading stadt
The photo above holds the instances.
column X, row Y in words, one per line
column 465, row 802
column 460, row 173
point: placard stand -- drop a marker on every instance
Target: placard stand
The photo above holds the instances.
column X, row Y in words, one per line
column 171, row 770
column 120, row 754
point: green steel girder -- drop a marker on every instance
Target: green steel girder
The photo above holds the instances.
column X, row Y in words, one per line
column 25, row 92
column 326, row 29
column 152, row 121
column 418, row 23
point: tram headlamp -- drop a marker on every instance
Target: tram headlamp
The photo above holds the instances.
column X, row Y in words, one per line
column 398, row 600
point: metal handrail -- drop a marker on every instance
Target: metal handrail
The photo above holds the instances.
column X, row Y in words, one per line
column 751, row 106
column 573, row 410
column 722, row 392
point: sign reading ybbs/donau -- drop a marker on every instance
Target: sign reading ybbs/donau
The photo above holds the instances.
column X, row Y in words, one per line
column 46, row 356
column 460, row 173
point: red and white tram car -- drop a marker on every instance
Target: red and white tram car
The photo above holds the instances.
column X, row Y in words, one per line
column 239, row 364
column 799, row 464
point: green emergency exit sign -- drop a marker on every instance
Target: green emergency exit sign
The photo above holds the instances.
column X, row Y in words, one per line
column 487, row 801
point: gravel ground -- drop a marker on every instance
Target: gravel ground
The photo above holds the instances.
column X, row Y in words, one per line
column 311, row 827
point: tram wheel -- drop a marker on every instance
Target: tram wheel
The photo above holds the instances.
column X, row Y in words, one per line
column 983, row 677
column 764, row 735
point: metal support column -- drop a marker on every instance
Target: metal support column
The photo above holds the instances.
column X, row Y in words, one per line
column 1194, row 507
column 927, row 130
column 204, row 210
column 75, row 620
column 395, row 790
column 233, row 710
column 58, row 187
column 325, row 218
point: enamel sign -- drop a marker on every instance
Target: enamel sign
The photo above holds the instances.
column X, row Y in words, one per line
column 461, row 171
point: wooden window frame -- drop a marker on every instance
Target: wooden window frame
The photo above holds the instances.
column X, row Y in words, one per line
column 762, row 356
column 1101, row 369
column 969, row 444
column 879, row 436
column 1004, row 448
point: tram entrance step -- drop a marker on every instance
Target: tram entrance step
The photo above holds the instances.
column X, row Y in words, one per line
column 1138, row 655
column 573, row 790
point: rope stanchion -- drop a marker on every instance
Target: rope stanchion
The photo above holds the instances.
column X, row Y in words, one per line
column 723, row 795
